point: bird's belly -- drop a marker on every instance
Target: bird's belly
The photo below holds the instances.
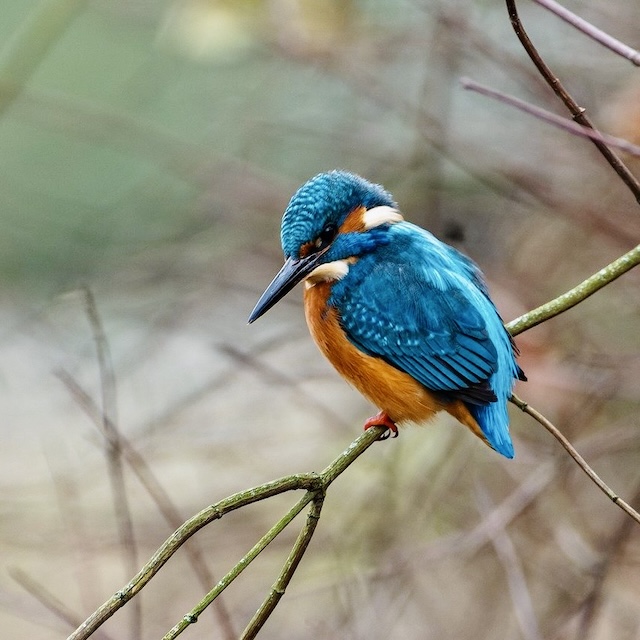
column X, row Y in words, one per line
column 399, row 395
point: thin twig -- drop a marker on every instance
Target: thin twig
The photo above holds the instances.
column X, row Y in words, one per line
column 113, row 450
column 289, row 568
column 593, row 32
column 516, row 580
column 24, row 51
column 272, row 374
column 469, row 543
column 576, row 295
column 577, row 112
column 581, row 462
column 49, row 600
column 552, row 118
column 239, row 567
column 612, row 550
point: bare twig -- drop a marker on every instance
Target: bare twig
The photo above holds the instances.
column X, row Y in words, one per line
column 272, row 374
column 279, row 587
column 113, row 449
column 23, row 53
column 577, row 112
column 499, row 517
column 516, row 580
column 593, row 32
column 612, row 550
column 552, row 118
column 49, row 600
column 580, row 461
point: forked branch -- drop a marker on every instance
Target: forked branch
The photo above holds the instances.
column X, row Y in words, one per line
column 315, row 486
column 577, row 112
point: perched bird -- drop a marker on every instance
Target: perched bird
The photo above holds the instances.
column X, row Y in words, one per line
column 405, row 318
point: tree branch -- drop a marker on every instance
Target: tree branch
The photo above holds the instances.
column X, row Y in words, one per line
column 577, row 112
column 571, row 298
column 312, row 482
column 580, row 461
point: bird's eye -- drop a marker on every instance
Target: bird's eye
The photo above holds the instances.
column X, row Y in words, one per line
column 326, row 237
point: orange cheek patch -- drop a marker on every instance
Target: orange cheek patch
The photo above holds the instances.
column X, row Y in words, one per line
column 354, row 222
column 306, row 249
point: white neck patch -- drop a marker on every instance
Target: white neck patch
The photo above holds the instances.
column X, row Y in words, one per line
column 327, row 273
column 381, row 215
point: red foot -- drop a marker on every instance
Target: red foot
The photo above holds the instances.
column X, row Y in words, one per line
column 382, row 420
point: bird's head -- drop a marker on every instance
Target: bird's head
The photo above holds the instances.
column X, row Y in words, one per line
column 333, row 218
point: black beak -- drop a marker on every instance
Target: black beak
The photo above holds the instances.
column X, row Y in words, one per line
column 293, row 271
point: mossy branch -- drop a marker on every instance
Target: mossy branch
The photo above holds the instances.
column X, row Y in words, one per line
column 315, row 485
column 574, row 296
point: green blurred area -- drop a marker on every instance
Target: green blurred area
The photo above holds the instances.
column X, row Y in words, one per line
column 103, row 147
column 117, row 118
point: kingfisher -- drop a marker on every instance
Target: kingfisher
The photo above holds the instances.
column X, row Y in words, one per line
column 402, row 316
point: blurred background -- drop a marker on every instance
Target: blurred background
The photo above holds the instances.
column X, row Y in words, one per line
column 147, row 151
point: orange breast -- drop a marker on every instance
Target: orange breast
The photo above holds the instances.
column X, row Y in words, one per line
column 399, row 395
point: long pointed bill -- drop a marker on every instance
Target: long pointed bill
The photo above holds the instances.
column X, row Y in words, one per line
column 293, row 271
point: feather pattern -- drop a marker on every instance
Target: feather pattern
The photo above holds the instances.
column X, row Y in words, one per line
column 423, row 307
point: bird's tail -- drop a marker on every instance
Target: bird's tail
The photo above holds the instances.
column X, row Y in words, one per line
column 489, row 422
column 493, row 421
column 493, row 418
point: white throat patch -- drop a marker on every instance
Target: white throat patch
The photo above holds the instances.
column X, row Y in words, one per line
column 381, row 215
column 327, row 273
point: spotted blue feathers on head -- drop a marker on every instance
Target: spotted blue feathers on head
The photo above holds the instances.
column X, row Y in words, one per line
column 326, row 198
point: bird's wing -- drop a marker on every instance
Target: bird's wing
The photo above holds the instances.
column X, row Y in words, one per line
column 426, row 325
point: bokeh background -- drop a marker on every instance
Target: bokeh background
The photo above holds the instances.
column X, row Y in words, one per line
column 147, row 151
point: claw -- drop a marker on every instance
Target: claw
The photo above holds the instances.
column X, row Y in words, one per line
column 382, row 420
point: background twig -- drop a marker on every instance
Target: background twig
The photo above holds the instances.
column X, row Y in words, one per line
column 593, row 32
column 552, row 118
column 113, row 450
column 577, row 112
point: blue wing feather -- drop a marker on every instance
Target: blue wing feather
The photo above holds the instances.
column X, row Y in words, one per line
column 433, row 333
column 424, row 308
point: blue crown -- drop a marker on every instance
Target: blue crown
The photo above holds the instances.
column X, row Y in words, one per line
column 327, row 197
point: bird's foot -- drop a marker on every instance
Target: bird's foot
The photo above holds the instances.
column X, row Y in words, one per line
column 382, row 420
